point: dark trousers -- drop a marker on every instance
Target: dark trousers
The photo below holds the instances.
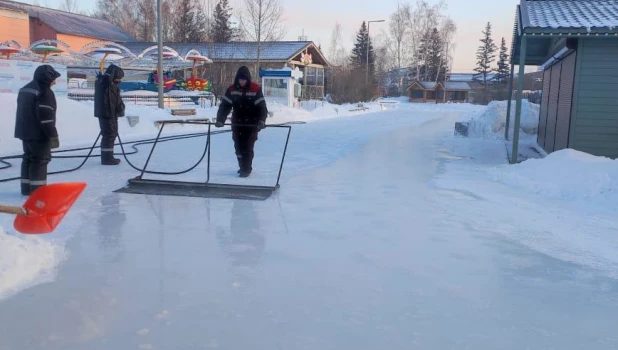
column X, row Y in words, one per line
column 37, row 154
column 244, row 140
column 109, row 132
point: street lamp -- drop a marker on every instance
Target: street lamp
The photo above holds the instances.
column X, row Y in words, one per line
column 367, row 63
column 160, row 55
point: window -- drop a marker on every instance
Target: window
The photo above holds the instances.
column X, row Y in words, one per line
column 311, row 75
column 276, row 87
column 417, row 94
column 320, row 77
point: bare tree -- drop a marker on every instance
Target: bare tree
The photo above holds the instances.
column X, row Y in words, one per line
column 447, row 33
column 399, row 28
column 69, row 6
column 261, row 20
column 423, row 18
column 336, row 52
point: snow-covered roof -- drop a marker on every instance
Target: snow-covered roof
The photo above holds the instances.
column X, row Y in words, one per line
column 467, row 77
column 234, row 51
column 456, row 85
column 577, row 14
column 71, row 23
column 449, row 85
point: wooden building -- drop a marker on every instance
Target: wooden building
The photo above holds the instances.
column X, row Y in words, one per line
column 427, row 91
column 26, row 24
column 227, row 57
column 578, row 52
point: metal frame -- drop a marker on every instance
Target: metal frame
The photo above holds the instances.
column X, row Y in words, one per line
column 206, row 189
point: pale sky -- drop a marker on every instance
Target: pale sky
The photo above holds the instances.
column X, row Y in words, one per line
column 317, row 18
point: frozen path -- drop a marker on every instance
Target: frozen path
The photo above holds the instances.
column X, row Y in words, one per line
column 361, row 254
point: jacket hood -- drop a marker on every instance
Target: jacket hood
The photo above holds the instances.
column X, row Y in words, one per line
column 243, row 71
column 114, row 72
column 45, row 74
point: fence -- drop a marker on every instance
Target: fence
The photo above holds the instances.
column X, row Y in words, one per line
column 204, row 101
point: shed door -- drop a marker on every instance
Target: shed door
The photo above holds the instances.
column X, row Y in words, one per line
column 552, row 107
column 543, row 113
column 563, row 120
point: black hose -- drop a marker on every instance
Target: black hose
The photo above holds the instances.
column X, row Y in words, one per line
column 134, row 145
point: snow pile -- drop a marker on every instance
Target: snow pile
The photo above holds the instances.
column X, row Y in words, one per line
column 566, row 174
column 26, row 261
column 491, row 122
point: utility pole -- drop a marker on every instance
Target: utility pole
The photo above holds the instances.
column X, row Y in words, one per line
column 160, row 54
column 367, row 49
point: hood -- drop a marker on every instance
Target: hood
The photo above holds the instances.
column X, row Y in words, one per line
column 114, row 72
column 243, row 71
column 45, row 74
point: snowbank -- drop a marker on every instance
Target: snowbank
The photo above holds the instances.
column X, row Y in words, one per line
column 26, row 261
column 567, row 174
column 491, row 121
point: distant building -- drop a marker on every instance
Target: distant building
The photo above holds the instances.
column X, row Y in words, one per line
column 450, row 91
column 26, row 24
column 227, row 57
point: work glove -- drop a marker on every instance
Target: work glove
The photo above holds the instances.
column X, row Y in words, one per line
column 261, row 125
column 219, row 124
column 54, row 142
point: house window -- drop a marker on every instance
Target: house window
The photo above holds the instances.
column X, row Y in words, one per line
column 417, row 94
column 311, row 75
column 320, row 77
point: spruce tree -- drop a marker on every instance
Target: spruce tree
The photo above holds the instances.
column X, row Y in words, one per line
column 359, row 52
column 485, row 56
column 221, row 31
column 503, row 73
column 436, row 67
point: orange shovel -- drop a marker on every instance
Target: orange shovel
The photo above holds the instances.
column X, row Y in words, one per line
column 45, row 207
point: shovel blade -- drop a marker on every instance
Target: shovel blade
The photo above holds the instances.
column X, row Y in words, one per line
column 46, row 207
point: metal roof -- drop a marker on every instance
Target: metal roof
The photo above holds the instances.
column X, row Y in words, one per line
column 547, row 23
column 456, row 85
column 449, row 85
column 236, row 51
column 71, row 23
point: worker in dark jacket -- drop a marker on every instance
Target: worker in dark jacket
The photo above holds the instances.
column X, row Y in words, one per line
column 35, row 126
column 249, row 114
column 108, row 107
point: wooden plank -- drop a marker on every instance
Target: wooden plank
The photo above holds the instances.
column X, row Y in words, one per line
column 608, row 122
column 593, row 71
column 607, row 94
column 599, row 79
column 587, row 130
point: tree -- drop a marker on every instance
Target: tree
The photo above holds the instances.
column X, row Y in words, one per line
column 69, row 6
column 399, row 29
column 261, row 20
column 361, row 48
column 221, row 30
column 485, row 56
column 190, row 25
column 503, row 72
column 336, row 51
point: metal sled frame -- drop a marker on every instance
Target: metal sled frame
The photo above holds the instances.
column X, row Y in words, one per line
column 139, row 185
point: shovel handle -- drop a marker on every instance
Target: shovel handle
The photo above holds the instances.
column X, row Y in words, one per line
column 12, row 210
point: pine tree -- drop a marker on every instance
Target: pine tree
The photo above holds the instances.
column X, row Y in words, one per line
column 503, row 73
column 485, row 56
column 359, row 52
column 435, row 63
column 221, row 31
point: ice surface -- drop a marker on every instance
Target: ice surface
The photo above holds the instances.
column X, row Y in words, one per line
column 388, row 232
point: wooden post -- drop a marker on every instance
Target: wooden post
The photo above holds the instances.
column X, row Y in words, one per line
column 520, row 87
column 508, row 104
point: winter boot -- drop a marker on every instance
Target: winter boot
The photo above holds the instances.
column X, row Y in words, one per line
column 25, row 187
column 244, row 173
column 107, row 158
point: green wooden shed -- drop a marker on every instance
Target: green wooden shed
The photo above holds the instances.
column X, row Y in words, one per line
column 575, row 43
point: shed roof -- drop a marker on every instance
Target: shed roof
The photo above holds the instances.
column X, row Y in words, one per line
column 547, row 23
column 449, row 85
column 71, row 23
column 235, row 51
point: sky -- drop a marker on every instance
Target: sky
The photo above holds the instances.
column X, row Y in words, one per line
column 317, row 18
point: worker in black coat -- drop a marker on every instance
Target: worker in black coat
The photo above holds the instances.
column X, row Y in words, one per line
column 108, row 107
column 246, row 100
column 35, row 126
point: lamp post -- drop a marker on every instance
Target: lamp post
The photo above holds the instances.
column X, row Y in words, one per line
column 160, row 55
column 367, row 62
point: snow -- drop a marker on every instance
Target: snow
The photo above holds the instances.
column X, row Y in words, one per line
column 385, row 222
column 491, row 122
column 573, row 14
column 26, row 260
column 565, row 175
